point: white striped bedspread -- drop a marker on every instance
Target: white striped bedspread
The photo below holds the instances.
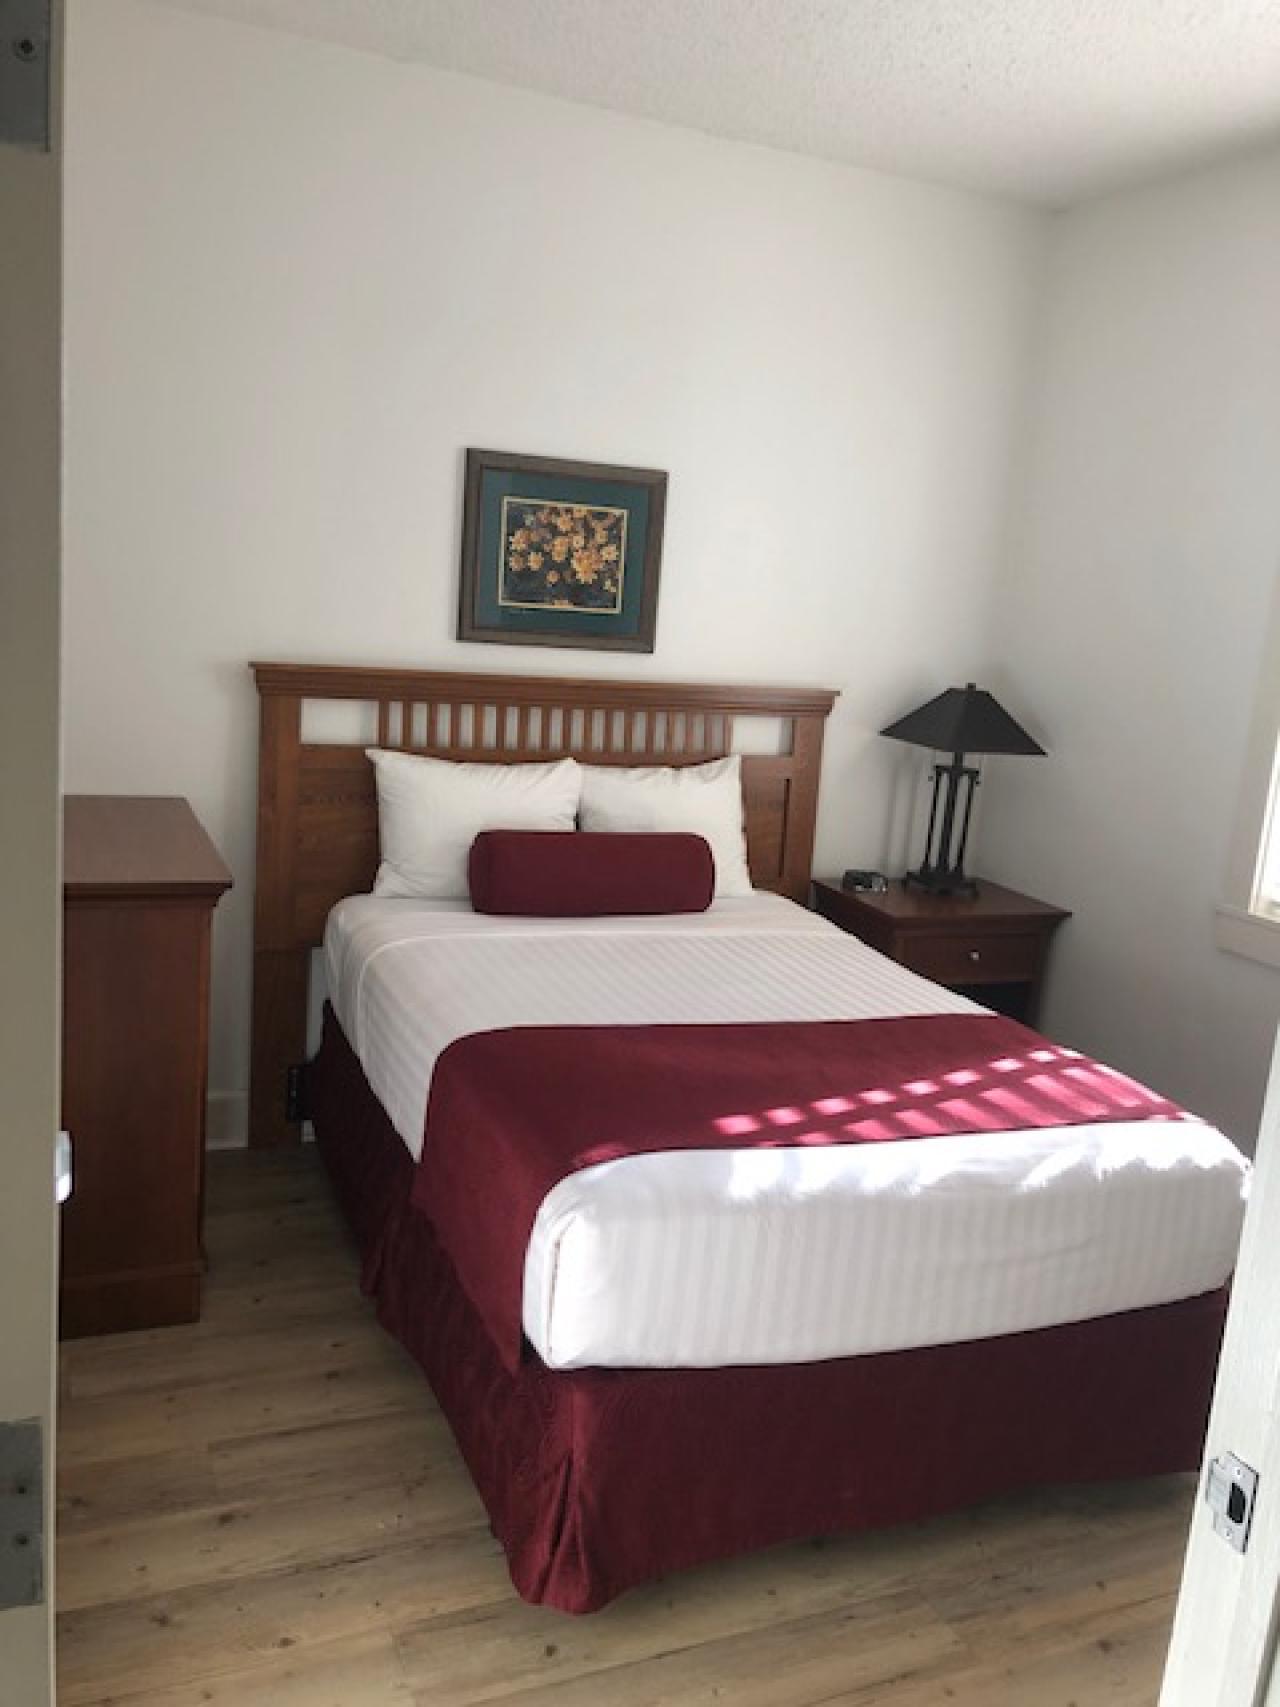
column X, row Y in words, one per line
column 702, row 1258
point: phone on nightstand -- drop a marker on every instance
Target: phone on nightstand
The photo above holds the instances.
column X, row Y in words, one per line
column 873, row 882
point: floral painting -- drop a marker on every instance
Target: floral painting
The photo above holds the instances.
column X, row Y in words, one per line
column 571, row 556
column 558, row 553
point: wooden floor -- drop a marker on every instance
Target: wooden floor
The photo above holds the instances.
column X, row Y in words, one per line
column 266, row 1510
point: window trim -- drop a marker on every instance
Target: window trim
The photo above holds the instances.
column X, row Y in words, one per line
column 1242, row 923
column 1251, row 934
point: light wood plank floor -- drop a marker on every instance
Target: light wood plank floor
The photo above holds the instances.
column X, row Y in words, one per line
column 266, row 1510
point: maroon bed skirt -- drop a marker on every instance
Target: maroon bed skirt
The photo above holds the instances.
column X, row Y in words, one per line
column 596, row 1480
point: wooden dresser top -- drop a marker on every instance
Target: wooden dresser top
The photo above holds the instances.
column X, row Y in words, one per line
column 123, row 844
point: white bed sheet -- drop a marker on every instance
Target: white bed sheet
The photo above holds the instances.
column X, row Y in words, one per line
column 704, row 1258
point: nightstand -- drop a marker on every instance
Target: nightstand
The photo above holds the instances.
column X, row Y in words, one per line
column 992, row 946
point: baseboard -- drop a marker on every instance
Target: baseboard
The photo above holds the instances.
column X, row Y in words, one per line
column 227, row 1120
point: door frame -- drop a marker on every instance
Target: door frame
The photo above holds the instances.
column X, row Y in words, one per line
column 30, row 811
column 1224, row 1642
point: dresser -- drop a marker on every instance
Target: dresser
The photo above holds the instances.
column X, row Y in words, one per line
column 140, row 882
column 993, row 946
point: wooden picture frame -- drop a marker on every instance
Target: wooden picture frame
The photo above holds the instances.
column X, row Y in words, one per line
column 558, row 553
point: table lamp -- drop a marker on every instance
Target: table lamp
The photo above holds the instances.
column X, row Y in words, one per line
column 959, row 721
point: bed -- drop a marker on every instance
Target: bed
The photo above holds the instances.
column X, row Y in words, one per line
column 713, row 1351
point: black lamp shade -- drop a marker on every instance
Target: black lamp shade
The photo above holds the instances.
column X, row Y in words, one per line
column 963, row 720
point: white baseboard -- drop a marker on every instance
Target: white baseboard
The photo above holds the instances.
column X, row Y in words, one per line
column 227, row 1120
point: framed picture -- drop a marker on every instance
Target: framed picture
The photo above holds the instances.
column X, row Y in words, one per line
column 560, row 553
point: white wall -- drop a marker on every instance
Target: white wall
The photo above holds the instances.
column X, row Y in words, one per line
column 301, row 280
column 1143, row 555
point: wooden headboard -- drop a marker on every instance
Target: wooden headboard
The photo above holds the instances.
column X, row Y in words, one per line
column 317, row 810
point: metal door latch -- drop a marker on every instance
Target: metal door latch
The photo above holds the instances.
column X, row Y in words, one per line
column 1231, row 1490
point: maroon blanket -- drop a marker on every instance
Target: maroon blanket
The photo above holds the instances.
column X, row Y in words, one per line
column 598, row 1479
column 511, row 1113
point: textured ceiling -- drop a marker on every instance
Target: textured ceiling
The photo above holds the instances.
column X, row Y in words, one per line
column 1048, row 100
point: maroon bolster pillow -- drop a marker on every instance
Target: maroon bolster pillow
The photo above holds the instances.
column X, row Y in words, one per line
column 565, row 874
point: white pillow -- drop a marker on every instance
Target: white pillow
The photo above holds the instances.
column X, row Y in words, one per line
column 431, row 810
column 706, row 799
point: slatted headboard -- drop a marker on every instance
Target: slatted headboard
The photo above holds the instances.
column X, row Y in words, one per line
column 317, row 810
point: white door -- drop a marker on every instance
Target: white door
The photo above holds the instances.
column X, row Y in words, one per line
column 30, row 431
column 1224, row 1649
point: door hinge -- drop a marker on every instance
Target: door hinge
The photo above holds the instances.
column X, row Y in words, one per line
column 295, row 1092
column 26, row 56
column 1231, row 1490
column 21, row 1514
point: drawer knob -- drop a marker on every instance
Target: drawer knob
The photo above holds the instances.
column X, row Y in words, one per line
column 975, row 955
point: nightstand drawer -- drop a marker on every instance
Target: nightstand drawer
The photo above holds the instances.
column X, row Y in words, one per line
column 984, row 957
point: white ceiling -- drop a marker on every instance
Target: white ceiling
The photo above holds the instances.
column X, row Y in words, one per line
column 1047, row 100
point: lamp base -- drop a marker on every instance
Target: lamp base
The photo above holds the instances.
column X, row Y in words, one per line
column 936, row 882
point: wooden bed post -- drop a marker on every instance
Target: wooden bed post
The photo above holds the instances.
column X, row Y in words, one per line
column 802, row 806
column 279, row 1025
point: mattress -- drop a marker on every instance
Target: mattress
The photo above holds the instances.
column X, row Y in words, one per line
column 709, row 1258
